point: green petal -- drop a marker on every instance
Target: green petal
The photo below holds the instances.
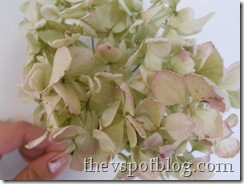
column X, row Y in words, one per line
column 231, row 78
column 209, row 63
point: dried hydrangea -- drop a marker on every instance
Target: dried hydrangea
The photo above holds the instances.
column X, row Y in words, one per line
column 111, row 78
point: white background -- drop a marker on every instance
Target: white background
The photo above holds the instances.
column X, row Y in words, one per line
column 223, row 30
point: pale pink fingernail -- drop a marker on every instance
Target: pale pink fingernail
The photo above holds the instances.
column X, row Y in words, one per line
column 56, row 164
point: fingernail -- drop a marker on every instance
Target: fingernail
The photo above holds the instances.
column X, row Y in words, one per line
column 57, row 164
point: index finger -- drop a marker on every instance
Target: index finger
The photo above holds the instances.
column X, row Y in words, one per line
column 17, row 135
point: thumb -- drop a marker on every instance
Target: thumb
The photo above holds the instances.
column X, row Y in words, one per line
column 45, row 167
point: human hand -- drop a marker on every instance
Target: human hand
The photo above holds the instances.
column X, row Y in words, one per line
column 42, row 162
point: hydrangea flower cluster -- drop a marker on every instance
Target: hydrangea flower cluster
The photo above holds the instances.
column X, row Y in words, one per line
column 111, row 78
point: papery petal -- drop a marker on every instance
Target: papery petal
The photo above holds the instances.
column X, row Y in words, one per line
column 50, row 103
column 235, row 98
column 108, row 52
column 82, row 61
column 38, row 77
column 67, row 133
column 37, row 141
column 209, row 123
column 25, row 96
column 232, row 120
column 69, row 96
column 51, row 12
column 169, row 88
column 131, row 134
column 179, row 126
column 67, row 40
column 147, row 75
column 110, row 113
column 231, row 78
column 152, row 109
column 106, row 143
column 227, row 148
column 85, row 144
column 182, row 63
column 194, row 26
column 149, row 174
column 129, row 101
column 203, row 146
column 138, row 127
column 134, row 57
column 112, row 13
column 61, row 64
column 116, row 133
column 201, row 89
column 77, row 162
column 157, row 48
column 166, row 151
column 209, row 63
column 153, row 141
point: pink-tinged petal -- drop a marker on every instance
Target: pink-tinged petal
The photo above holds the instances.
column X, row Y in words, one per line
column 152, row 109
column 203, row 90
column 209, row 63
column 169, row 88
column 231, row 78
column 153, row 141
column 138, row 127
column 227, row 130
column 204, row 51
column 227, row 148
column 108, row 53
column 182, row 63
column 232, row 120
column 166, row 151
column 201, row 171
column 209, row 123
column 129, row 100
column 77, row 162
column 179, row 126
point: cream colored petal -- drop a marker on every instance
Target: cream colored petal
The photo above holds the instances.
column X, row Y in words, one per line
column 179, row 126
column 169, row 88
